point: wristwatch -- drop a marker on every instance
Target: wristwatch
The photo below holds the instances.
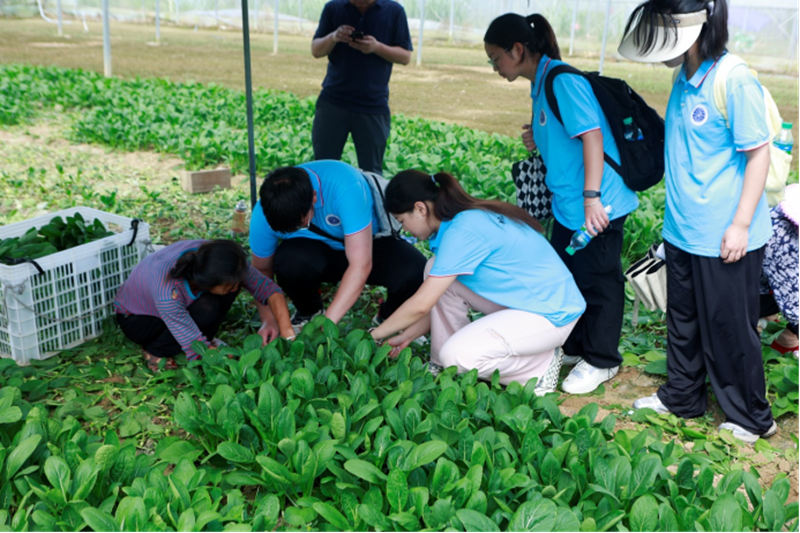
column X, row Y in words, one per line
column 591, row 194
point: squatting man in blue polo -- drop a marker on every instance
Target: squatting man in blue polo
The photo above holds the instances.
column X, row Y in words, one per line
column 319, row 222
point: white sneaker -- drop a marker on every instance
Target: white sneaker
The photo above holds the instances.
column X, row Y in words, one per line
column 298, row 321
column 651, row 402
column 547, row 383
column 745, row 436
column 571, row 360
column 585, row 378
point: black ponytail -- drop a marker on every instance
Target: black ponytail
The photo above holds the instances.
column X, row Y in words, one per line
column 213, row 264
column 448, row 198
column 533, row 31
column 644, row 19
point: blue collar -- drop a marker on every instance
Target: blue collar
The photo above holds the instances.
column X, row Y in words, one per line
column 702, row 72
column 316, row 184
column 189, row 292
column 435, row 240
column 541, row 72
column 378, row 3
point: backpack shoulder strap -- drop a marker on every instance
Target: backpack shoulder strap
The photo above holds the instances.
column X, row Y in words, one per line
column 553, row 103
column 548, row 87
column 724, row 68
column 322, row 233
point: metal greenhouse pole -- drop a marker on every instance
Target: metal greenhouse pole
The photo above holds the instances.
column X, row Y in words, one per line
column 158, row 21
column 572, row 28
column 248, row 87
column 106, row 41
column 60, row 19
column 275, row 34
column 421, row 27
column 605, row 36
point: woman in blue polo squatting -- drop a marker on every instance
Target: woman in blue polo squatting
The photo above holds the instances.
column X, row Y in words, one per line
column 717, row 220
column 583, row 187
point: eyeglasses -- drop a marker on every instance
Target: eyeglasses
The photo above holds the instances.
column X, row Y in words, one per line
column 493, row 60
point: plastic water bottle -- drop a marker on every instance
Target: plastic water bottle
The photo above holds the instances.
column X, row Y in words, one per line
column 582, row 237
column 631, row 131
column 784, row 139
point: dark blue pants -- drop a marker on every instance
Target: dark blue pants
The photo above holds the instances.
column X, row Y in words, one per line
column 332, row 125
column 712, row 315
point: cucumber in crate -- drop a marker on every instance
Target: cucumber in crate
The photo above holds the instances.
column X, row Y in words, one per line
column 59, row 274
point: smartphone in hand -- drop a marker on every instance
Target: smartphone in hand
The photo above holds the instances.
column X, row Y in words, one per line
column 356, row 35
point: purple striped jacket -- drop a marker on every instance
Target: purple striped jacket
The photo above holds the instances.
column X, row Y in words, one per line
column 151, row 291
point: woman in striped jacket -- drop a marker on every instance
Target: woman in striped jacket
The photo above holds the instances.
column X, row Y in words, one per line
column 182, row 293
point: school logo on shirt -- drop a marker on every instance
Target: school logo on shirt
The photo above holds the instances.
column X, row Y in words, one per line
column 699, row 115
column 333, row 220
column 542, row 118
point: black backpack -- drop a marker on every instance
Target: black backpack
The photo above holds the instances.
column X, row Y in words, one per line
column 642, row 161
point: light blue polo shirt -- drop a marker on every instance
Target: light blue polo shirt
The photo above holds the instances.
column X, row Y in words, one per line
column 507, row 263
column 344, row 207
column 705, row 159
column 562, row 148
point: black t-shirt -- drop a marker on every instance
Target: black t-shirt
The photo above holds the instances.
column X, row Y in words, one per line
column 356, row 81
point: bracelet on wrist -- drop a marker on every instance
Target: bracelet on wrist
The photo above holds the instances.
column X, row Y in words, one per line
column 591, row 204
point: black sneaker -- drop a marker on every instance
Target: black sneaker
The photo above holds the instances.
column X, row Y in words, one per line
column 298, row 320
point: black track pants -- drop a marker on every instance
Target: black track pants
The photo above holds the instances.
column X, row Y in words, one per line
column 301, row 265
column 712, row 314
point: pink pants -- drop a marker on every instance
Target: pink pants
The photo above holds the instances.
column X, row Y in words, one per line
column 519, row 344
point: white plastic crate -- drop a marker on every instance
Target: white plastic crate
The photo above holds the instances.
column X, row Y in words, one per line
column 42, row 314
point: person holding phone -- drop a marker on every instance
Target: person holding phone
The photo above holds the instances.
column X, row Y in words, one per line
column 362, row 40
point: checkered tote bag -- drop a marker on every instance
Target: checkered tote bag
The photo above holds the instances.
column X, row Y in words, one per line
column 532, row 194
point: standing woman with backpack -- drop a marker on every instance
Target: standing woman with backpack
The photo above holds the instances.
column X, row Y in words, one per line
column 584, row 188
column 717, row 221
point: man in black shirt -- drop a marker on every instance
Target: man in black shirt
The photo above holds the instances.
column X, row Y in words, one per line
column 362, row 40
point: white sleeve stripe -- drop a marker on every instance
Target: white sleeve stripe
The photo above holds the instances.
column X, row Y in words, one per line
column 585, row 132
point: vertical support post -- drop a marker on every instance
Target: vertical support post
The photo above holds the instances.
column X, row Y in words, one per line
column 605, row 36
column 421, row 28
column 572, row 27
column 275, row 36
column 248, row 86
column 60, row 19
column 452, row 16
column 106, row 41
column 158, row 21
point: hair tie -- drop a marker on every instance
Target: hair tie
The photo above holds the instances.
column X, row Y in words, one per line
column 433, row 179
column 710, row 8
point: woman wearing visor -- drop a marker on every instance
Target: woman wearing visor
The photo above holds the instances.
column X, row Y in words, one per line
column 717, row 219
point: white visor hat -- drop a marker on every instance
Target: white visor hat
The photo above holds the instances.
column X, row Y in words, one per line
column 671, row 40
